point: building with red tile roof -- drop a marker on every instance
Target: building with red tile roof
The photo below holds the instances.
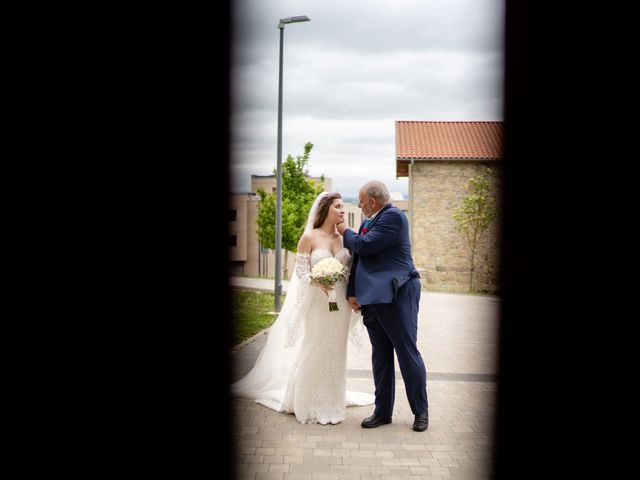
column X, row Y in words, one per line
column 439, row 158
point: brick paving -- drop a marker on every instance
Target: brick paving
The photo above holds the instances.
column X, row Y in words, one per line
column 457, row 336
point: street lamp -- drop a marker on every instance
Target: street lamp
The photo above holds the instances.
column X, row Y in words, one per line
column 278, row 281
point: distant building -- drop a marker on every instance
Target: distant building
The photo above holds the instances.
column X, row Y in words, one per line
column 439, row 158
column 268, row 183
column 398, row 200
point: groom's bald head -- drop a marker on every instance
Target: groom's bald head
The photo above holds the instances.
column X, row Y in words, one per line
column 377, row 190
column 372, row 197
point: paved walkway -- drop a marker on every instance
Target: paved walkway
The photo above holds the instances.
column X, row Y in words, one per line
column 457, row 336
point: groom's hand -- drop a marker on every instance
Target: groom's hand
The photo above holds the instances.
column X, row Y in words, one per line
column 355, row 306
column 342, row 226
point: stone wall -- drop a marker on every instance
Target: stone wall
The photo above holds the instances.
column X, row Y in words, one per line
column 440, row 253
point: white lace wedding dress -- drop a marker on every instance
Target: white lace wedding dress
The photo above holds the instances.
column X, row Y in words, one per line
column 302, row 368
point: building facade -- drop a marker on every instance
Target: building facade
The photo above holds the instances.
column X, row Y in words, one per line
column 439, row 158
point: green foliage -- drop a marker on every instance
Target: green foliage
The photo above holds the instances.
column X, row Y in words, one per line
column 298, row 195
column 475, row 213
column 266, row 219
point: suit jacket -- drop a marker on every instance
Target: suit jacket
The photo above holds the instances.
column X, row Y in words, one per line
column 382, row 260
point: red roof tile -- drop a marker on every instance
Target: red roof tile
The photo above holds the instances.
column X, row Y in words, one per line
column 446, row 140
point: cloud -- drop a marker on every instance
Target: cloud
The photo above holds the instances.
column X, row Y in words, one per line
column 350, row 73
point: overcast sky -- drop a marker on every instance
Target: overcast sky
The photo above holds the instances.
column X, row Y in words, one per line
column 350, row 73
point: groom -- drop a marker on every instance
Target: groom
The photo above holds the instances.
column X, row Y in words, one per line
column 384, row 285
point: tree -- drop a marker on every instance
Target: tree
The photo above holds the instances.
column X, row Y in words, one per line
column 474, row 215
column 298, row 195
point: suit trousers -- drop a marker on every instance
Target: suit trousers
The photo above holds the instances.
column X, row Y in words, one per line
column 394, row 326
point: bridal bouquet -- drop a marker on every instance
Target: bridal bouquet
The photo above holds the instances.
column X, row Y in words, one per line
column 327, row 272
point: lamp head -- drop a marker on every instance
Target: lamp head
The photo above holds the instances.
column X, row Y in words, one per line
column 300, row 18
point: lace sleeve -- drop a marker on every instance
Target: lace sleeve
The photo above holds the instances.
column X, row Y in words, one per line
column 297, row 301
column 346, row 259
column 303, row 267
column 348, row 266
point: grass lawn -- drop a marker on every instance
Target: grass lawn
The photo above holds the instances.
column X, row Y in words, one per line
column 250, row 313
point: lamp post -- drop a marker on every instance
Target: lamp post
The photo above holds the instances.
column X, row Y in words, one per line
column 278, row 281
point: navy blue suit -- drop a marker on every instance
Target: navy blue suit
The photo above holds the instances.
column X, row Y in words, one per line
column 385, row 282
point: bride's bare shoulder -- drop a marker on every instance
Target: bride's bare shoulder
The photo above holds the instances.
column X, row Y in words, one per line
column 305, row 243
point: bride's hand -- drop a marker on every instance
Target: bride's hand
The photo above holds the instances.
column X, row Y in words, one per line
column 326, row 290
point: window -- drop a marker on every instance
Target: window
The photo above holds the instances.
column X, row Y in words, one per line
column 232, row 215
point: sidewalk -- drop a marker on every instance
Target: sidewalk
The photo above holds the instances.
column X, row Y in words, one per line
column 457, row 336
column 264, row 284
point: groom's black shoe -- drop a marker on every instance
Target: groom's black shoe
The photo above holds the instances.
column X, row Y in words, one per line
column 421, row 422
column 375, row 421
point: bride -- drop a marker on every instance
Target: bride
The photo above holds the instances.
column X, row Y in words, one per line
column 303, row 365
